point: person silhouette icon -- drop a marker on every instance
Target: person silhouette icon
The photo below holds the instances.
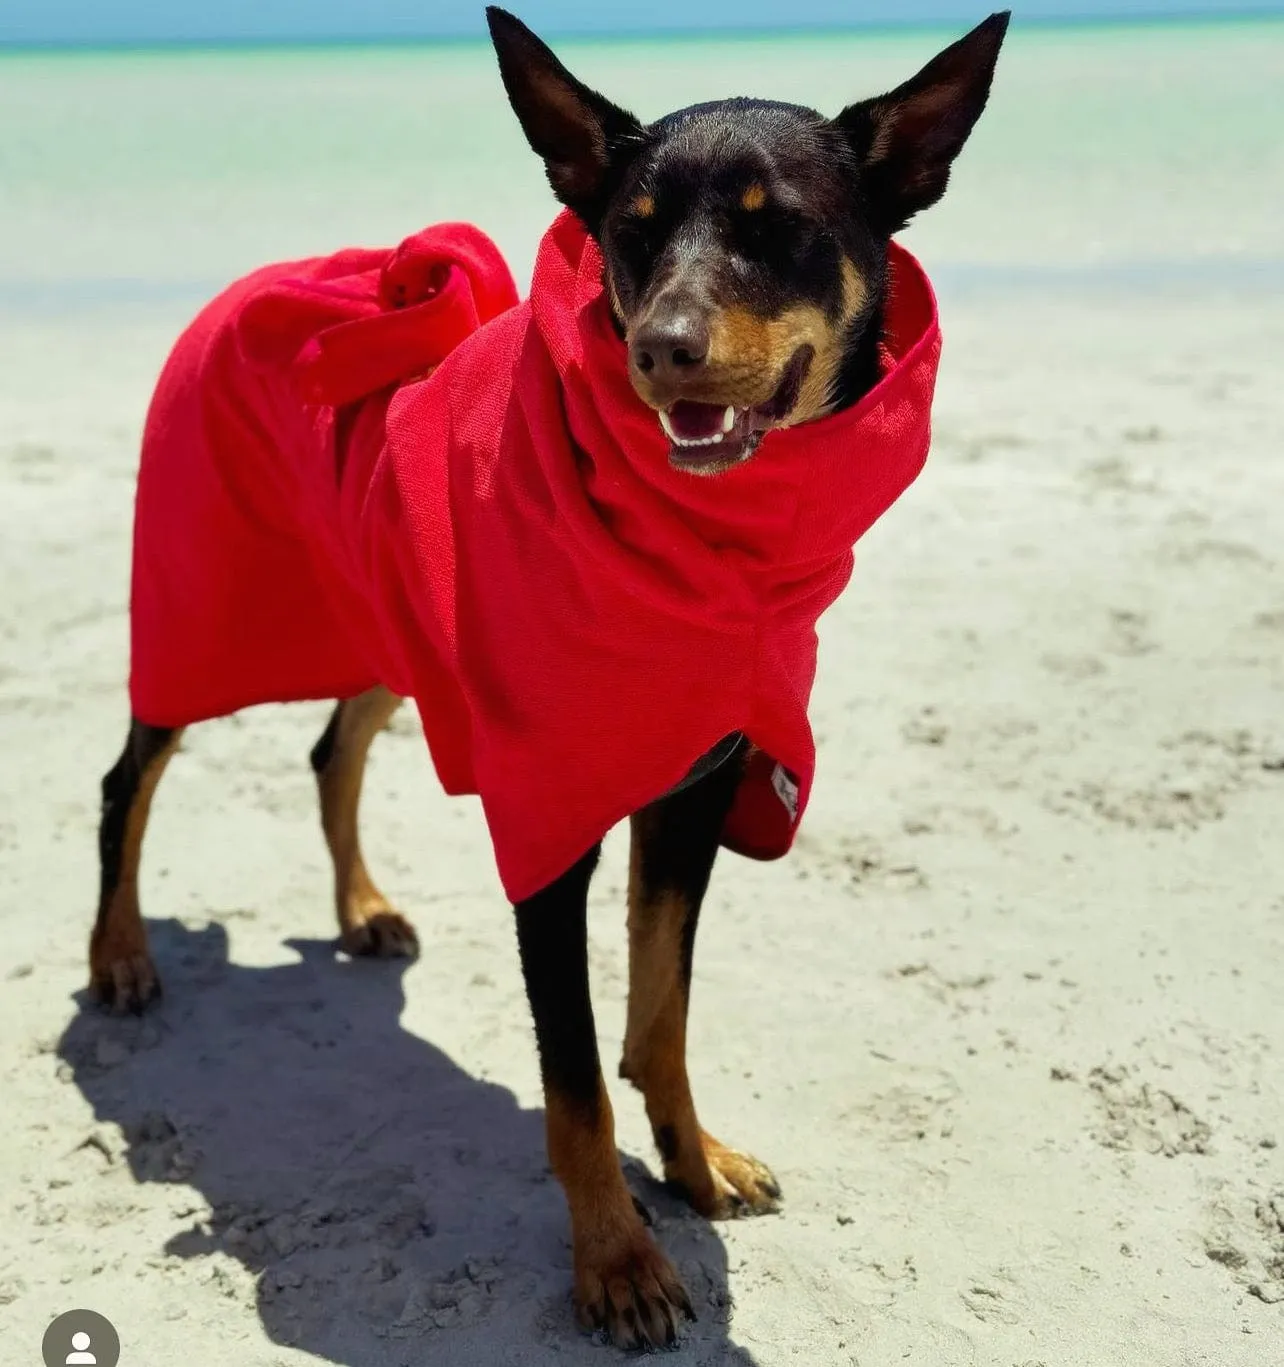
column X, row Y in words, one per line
column 81, row 1358
column 80, row 1329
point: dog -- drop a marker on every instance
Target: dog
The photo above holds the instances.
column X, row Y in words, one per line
column 744, row 288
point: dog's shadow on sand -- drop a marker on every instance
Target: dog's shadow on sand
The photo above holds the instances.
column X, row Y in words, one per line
column 385, row 1206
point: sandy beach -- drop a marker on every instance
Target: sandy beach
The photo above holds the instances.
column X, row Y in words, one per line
column 1006, row 1025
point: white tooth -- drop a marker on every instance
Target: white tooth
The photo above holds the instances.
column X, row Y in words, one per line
column 728, row 422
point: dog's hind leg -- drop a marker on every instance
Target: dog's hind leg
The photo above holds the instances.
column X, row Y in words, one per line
column 674, row 844
column 367, row 923
column 122, row 974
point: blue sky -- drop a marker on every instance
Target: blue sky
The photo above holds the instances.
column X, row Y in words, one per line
column 95, row 21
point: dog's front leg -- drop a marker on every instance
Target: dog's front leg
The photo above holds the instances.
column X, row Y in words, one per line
column 674, row 844
column 623, row 1283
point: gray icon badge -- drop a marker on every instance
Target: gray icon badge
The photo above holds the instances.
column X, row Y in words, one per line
column 81, row 1338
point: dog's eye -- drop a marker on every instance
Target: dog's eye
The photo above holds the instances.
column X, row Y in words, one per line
column 637, row 238
column 771, row 233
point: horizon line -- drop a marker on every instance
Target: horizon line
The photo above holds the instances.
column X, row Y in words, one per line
column 1208, row 17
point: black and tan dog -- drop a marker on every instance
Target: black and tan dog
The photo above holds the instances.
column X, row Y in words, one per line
column 745, row 246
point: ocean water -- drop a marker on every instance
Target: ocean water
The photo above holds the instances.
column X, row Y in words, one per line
column 1115, row 157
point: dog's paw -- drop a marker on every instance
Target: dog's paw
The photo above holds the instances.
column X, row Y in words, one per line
column 125, row 983
column 633, row 1295
column 382, row 935
column 737, row 1184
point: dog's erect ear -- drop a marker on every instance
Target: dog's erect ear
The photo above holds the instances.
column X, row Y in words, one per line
column 907, row 140
column 583, row 138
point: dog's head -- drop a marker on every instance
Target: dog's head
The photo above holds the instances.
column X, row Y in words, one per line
column 745, row 241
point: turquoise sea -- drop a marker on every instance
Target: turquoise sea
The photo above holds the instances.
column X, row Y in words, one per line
column 1149, row 154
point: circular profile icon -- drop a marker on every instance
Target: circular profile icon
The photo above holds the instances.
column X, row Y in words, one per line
column 81, row 1338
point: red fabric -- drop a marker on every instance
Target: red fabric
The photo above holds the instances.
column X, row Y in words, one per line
column 505, row 540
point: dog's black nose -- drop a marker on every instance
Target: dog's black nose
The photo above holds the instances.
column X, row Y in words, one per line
column 674, row 345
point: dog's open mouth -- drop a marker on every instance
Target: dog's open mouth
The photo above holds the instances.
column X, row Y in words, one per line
column 707, row 438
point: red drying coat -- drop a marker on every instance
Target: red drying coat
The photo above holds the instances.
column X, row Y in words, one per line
column 505, row 540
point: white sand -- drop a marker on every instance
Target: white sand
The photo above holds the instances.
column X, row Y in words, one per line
column 1007, row 1025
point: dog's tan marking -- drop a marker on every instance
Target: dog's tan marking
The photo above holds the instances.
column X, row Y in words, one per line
column 624, row 1284
column 367, row 922
column 855, row 290
column 120, row 966
column 718, row 1181
column 643, row 205
column 748, row 353
column 616, row 306
column 753, row 198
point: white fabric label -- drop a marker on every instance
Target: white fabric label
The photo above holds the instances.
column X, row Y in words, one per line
column 786, row 790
